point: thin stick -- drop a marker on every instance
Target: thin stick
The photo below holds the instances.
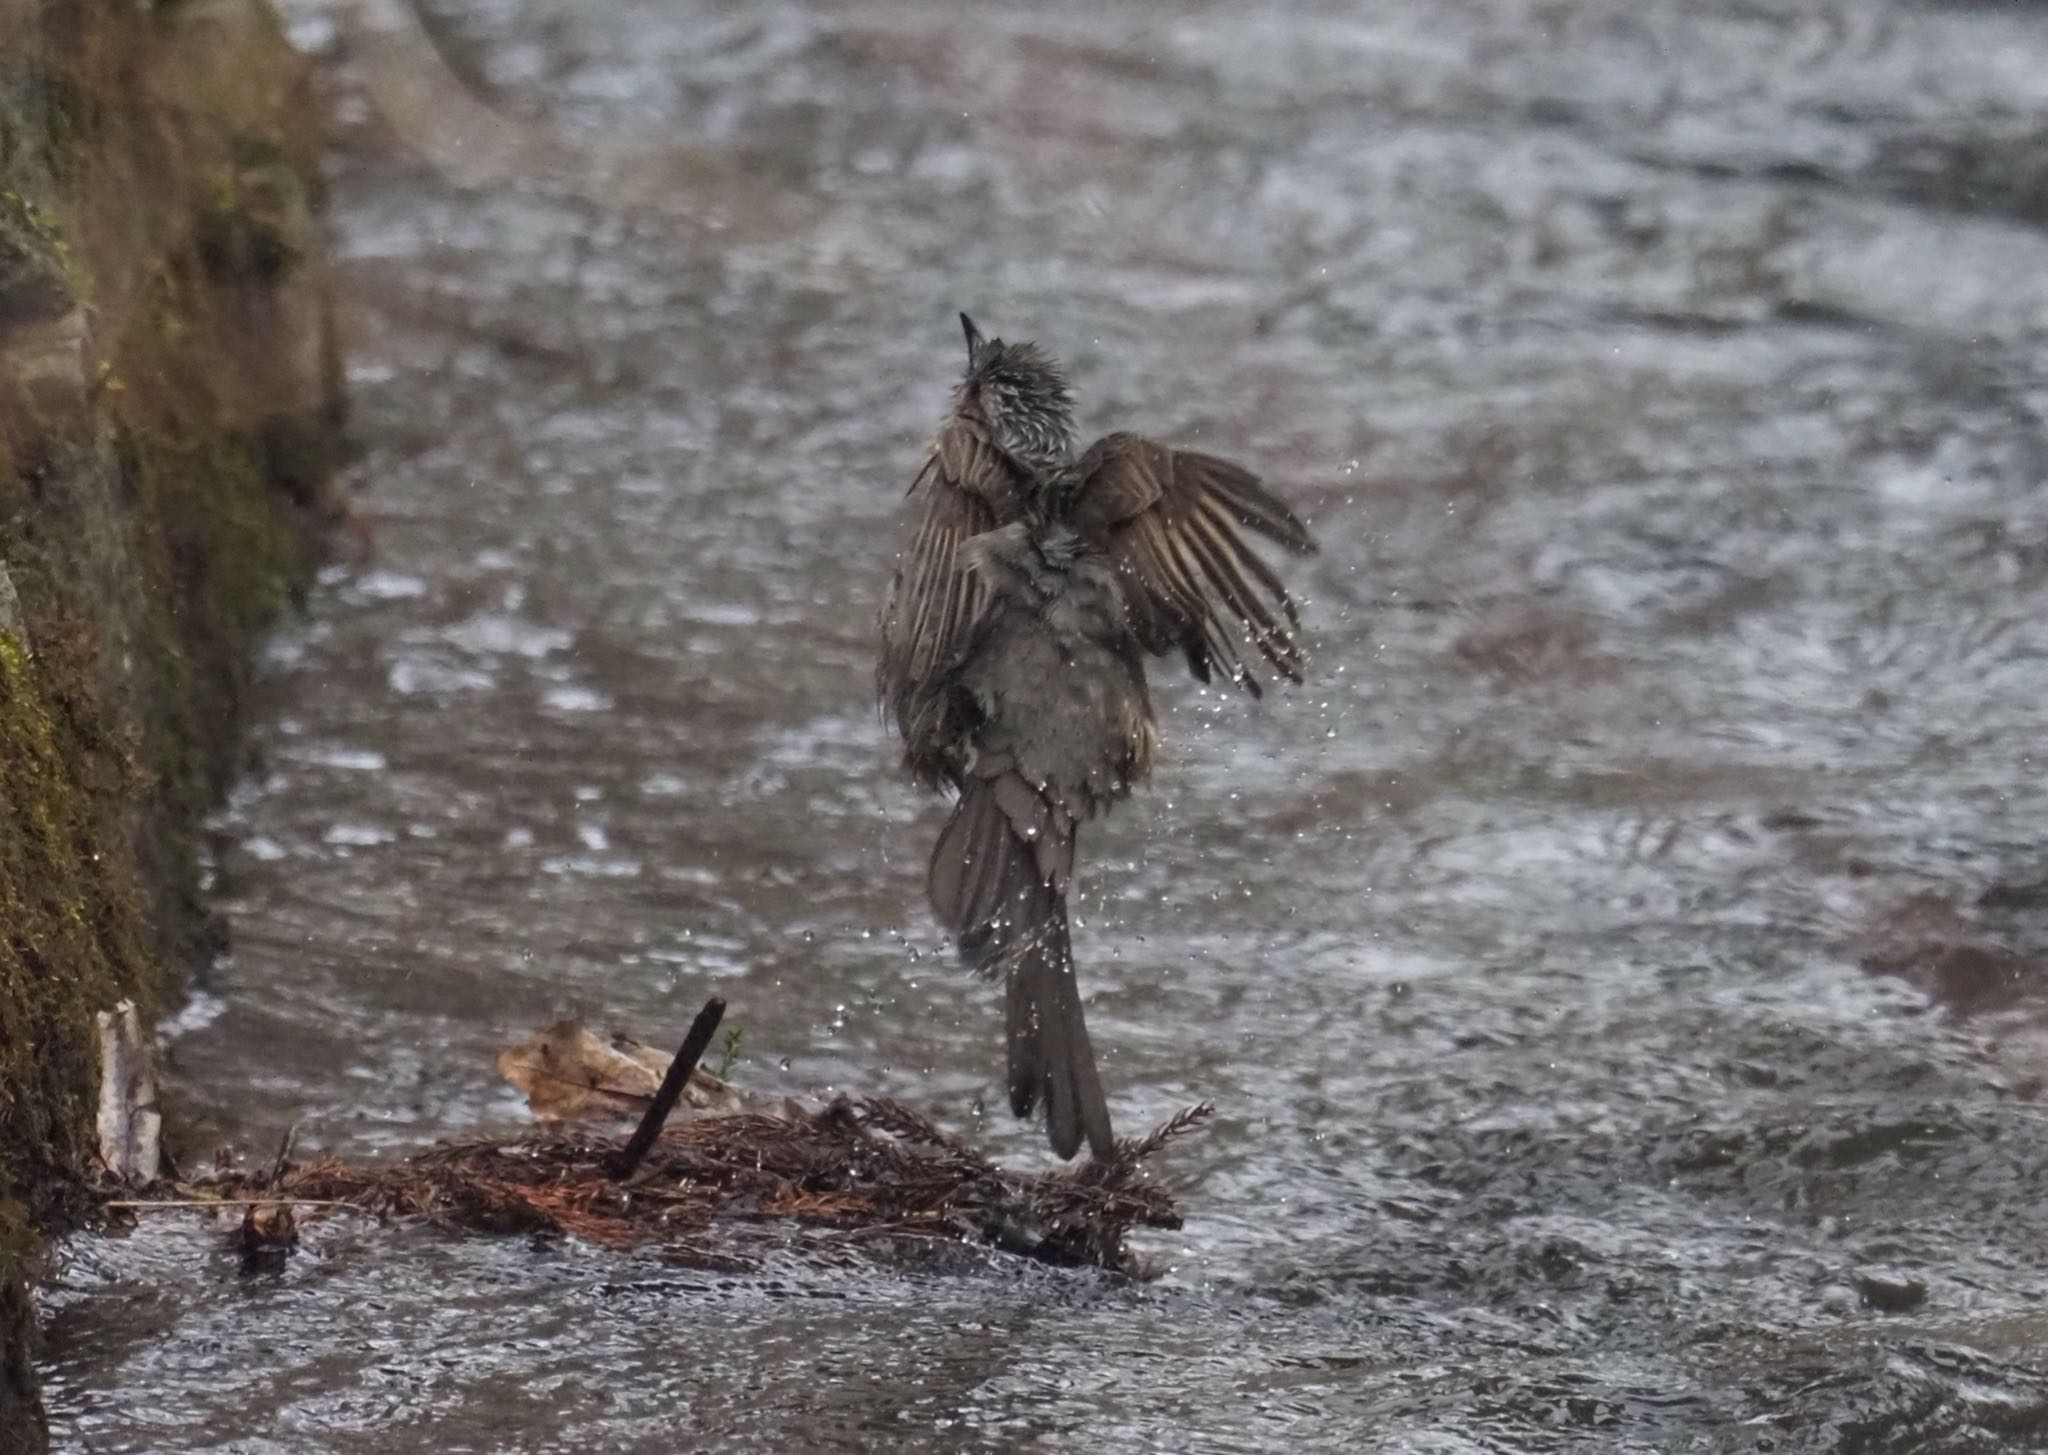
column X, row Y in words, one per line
column 284, row 1154
column 623, row 1163
column 219, row 1202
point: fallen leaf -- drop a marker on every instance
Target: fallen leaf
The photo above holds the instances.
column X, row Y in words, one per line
column 568, row 1074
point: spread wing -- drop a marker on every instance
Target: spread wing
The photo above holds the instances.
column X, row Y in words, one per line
column 1174, row 522
column 967, row 486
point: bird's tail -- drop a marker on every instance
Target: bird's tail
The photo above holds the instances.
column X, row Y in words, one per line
column 1001, row 890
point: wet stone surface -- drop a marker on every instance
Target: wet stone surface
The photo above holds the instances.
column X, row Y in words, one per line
column 1615, row 969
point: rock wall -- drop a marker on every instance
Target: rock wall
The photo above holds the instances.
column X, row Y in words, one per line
column 169, row 403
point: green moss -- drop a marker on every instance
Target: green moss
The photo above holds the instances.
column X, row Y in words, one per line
column 253, row 222
column 24, row 217
column 224, row 555
column 35, row 261
column 21, row 1412
column 70, row 923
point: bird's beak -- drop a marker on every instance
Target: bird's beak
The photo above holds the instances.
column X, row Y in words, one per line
column 974, row 339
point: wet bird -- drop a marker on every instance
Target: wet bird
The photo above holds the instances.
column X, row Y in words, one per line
column 1014, row 638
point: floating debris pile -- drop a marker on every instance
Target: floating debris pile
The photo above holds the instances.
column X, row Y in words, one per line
column 872, row 1165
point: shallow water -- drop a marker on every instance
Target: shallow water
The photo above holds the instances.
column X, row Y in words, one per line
column 1615, row 970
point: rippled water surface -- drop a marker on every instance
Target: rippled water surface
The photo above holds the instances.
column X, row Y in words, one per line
column 1615, row 970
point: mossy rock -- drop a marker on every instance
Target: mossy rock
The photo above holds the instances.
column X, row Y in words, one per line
column 73, row 931
column 161, row 308
column 21, row 1411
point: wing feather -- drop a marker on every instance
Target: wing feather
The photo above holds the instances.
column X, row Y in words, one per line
column 1175, row 522
column 964, row 488
column 1221, row 557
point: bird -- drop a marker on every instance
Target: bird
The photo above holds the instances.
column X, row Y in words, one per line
column 1035, row 584
column 1049, row 717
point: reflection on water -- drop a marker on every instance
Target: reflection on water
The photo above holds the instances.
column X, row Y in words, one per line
column 1614, row 968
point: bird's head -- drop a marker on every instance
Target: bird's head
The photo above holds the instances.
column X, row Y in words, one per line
column 1020, row 394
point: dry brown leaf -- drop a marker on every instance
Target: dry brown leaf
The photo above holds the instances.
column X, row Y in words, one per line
column 568, row 1074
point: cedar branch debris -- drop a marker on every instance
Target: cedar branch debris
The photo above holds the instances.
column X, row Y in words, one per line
column 872, row 1166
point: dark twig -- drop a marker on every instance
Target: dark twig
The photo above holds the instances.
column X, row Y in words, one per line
column 622, row 1164
column 284, row 1155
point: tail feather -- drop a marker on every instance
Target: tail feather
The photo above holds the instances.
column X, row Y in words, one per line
column 970, row 872
column 1051, row 1058
column 988, row 889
